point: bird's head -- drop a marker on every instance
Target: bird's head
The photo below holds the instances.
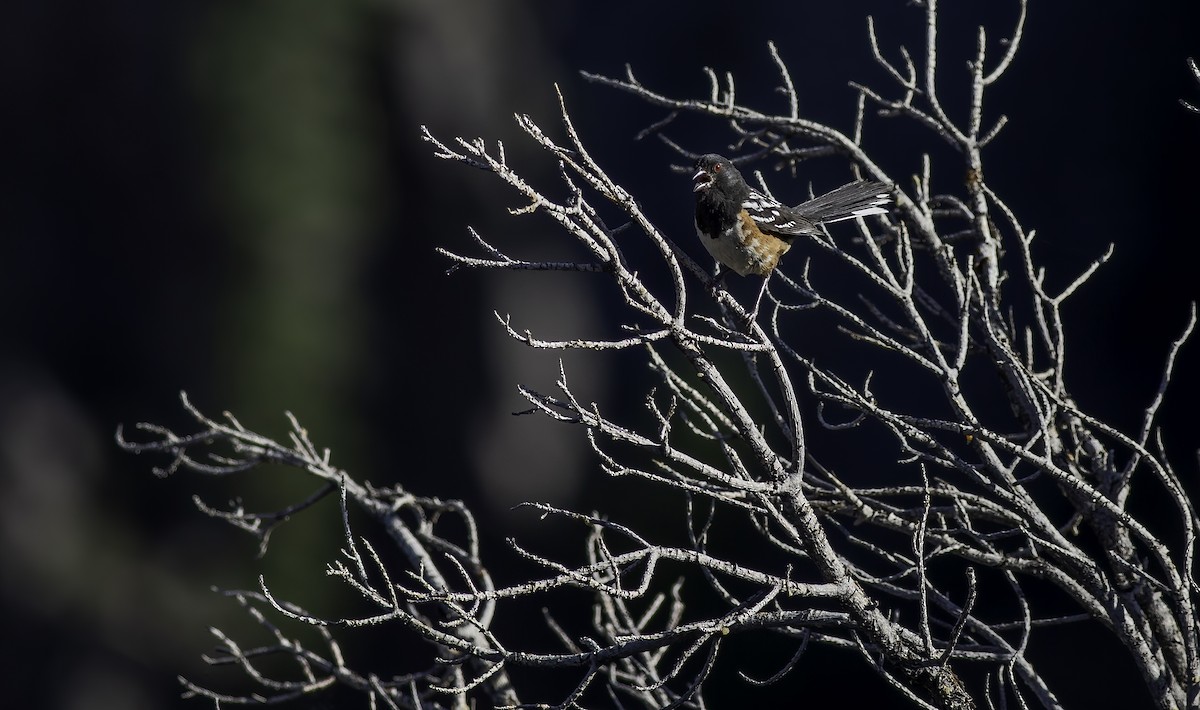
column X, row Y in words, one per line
column 713, row 169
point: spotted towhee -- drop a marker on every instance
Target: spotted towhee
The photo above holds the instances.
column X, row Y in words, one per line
column 748, row 231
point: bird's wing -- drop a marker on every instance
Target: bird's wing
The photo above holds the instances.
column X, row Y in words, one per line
column 774, row 217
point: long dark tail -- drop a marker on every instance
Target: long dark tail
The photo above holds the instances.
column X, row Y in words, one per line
column 857, row 199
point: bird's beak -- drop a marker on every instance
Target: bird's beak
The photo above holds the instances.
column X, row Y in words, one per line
column 702, row 180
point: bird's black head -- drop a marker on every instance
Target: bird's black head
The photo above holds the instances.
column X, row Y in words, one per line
column 715, row 170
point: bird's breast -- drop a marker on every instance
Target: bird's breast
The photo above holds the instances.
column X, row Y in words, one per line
column 742, row 247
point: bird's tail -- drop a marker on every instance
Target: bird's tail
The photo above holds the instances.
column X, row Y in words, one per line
column 857, row 199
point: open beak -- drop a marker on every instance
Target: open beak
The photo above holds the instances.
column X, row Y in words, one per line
column 702, row 180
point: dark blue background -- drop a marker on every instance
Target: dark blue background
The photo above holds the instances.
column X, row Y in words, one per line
column 234, row 201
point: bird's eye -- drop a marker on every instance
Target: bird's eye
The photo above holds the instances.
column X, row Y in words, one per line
column 717, row 168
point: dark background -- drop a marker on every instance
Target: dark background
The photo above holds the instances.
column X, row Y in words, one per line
column 232, row 199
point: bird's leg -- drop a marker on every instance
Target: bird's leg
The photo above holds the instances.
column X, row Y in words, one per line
column 718, row 280
column 757, row 301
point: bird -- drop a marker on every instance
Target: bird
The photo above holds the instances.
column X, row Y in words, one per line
column 748, row 231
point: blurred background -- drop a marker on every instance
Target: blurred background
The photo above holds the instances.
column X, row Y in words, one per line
column 232, row 199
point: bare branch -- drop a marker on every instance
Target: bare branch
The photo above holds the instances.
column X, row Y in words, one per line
column 979, row 503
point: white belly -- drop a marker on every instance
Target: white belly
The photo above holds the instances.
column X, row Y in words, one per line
column 745, row 256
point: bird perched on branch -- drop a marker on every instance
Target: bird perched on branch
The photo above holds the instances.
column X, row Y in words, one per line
column 748, row 231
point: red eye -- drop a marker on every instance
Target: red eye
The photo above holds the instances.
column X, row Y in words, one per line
column 717, row 168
